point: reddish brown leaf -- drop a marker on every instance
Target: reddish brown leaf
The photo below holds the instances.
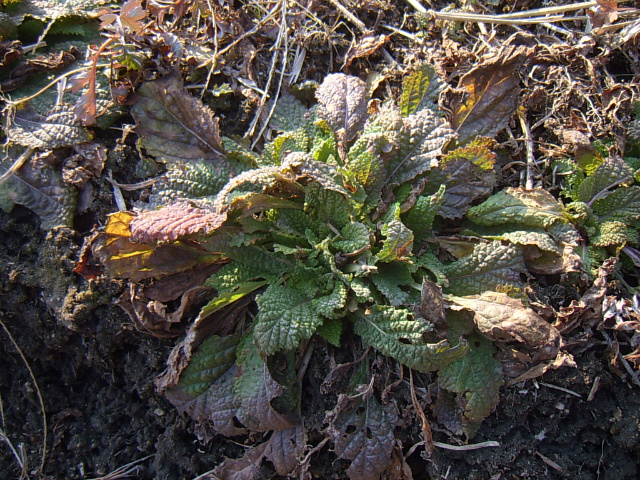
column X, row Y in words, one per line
column 488, row 94
column 173, row 222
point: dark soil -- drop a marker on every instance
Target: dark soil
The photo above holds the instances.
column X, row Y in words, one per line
column 96, row 373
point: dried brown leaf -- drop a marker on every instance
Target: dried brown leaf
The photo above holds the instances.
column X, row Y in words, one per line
column 589, row 307
column 489, row 94
column 506, row 319
column 59, row 128
column 174, row 125
column 364, row 434
column 364, row 47
column 285, row 449
column 246, row 467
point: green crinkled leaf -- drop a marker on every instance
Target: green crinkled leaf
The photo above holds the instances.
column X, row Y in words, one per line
column 206, row 388
column 59, row 128
column 43, row 192
column 398, row 241
column 227, row 298
column 193, row 180
column 476, row 378
column 288, row 115
column 389, row 278
column 621, row 205
column 236, row 151
column 530, row 208
column 490, row 266
column 353, row 237
column 332, row 306
column 542, row 240
column 612, row 172
column 331, row 331
column 256, row 389
column 430, row 262
column 395, row 333
column 421, row 216
column 214, row 358
column 609, row 234
column 328, row 206
column 423, row 137
column 175, row 126
column 289, row 141
column 364, row 434
column 285, row 317
column 419, row 90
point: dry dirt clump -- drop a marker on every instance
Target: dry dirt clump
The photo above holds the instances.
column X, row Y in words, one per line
column 303, row 239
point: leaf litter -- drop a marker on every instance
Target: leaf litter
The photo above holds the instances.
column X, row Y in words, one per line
column 455, row 298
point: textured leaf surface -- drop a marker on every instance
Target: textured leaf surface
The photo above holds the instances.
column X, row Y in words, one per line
column 354, row 236
column 285, row 316
column 52, row 9
column 388, row 280
column 398, row 241
column 246, row 467
column 125, row 259
column 43, row 192
column 285, row 449
column 477, row 378
column 59, row 128
column 612, row 172
column 395, row 333
column 421, row 216
column 422, row 139
column 193, row 180
column 491, row 90
column 467, row 174
column 506, row 319
column 173, row 222
column 364, row 434
column 419, row 89
column 532, row 208
column 256, row 389
column 343, row 103
column 173, row 125
column 490, row 266
column 288, row 114
column 622, row 205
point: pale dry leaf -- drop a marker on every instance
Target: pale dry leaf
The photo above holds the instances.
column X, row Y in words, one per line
column 343, row 103
column 506, row 319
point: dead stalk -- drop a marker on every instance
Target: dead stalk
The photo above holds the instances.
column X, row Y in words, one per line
column 528, row 141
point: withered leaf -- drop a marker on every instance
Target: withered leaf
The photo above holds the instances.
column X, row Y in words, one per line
column 343, row 103
column 173, row 222
column 589, row 307
column 246, row 467
column 285, row 448
column 506, row 319
column 124, row 258
column 490, row 95
column 364, row 435
column 432, row 306
column 59, row 128
column 364, row 47
column 256, row 388
column 174, row 125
